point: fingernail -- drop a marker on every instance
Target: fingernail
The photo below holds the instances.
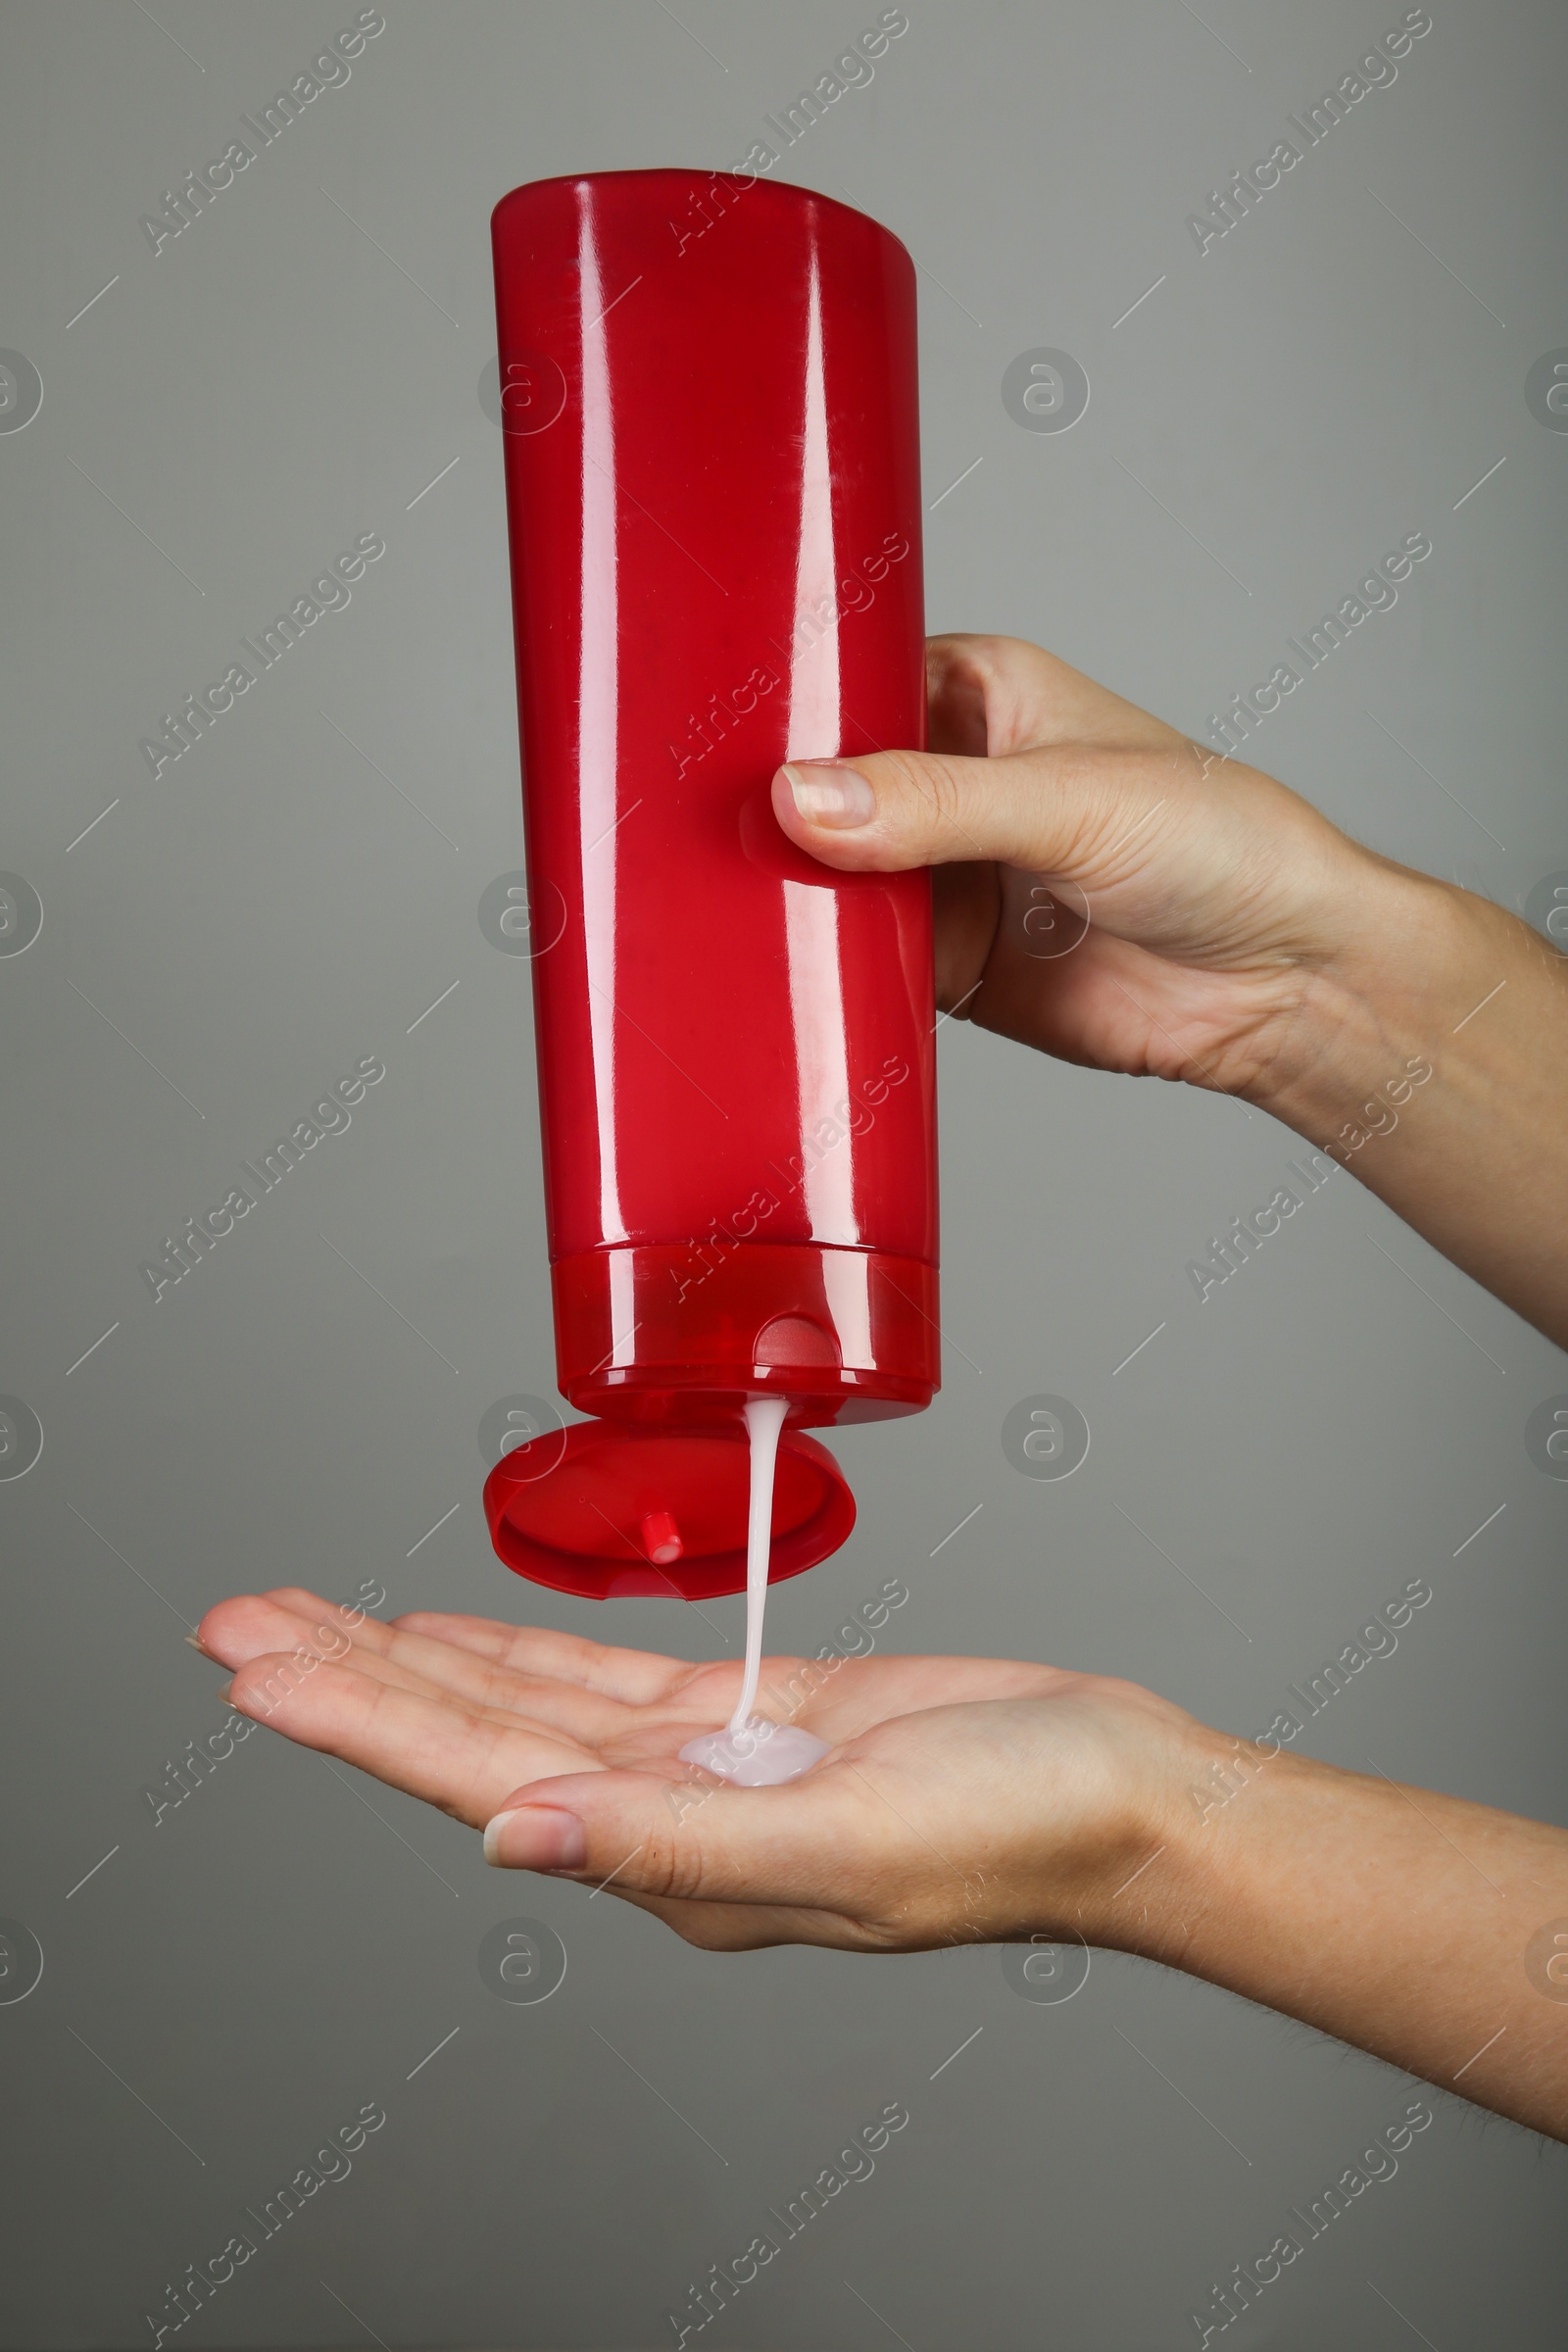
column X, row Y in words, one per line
column 223, row 1690
column 832, row 796
column 535, row 1838
column 198, row 1645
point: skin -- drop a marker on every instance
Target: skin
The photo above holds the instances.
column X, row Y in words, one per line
column 1238, row 941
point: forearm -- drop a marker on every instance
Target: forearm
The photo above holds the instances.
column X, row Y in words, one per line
column 1432, row 1061
column 1413, row 1925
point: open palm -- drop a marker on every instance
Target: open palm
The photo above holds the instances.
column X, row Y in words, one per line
column 961, row 1797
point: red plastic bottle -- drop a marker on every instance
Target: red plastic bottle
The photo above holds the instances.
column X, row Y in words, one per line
column 710, row 408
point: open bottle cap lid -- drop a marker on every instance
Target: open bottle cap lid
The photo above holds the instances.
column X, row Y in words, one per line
column 608, row 1508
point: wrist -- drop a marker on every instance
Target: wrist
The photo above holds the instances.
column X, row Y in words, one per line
column 1413, row 956
column 1430, row 1056
column 1348, row 1903
column 1210, row 1839
column 1148, row 1839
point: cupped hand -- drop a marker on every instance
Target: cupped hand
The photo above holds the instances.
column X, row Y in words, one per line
column 1216, row 898
column 961, row 1800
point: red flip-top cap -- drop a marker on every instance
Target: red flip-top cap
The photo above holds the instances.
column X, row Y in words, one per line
column 608, row 1508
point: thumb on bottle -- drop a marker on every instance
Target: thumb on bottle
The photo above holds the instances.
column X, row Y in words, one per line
column 1048, row 809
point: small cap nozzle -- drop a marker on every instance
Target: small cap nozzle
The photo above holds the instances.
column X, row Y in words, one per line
column 660, row 1538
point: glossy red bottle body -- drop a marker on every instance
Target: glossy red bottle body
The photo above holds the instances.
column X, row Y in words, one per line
column 709, row 411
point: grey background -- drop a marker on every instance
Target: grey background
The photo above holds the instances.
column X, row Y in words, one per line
column 232, row 1984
